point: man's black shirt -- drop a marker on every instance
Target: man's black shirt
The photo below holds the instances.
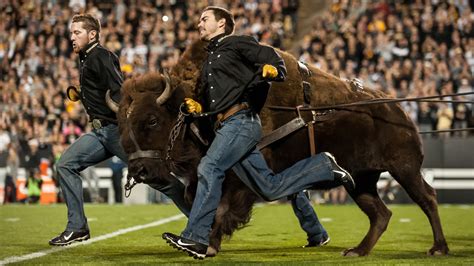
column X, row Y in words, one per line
column 232, row 61
column 99, row 72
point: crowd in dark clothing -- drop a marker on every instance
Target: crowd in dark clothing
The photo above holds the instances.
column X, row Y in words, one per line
column 404, row 48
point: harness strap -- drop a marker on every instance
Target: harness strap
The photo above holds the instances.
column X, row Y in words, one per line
column 312, row 146
column 281, row 132
column 132, row 137
column 196, row 133
column 155, row 154
column 294, row 125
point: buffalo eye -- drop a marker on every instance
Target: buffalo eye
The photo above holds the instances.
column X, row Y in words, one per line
column 153, row 122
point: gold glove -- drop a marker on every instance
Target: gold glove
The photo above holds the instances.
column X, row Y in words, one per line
column 269, row 71
column 72, row 94
column 192, row 106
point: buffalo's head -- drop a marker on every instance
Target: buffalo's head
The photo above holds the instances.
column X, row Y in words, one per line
column 148, row 111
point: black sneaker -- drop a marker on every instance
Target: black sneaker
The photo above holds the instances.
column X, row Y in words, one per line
column 340, row 174
column 193, row 248
column 67, row 237
column 322, row 242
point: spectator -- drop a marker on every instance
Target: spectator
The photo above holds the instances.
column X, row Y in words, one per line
column 4, row 139
column 338, row 195
column 401, row 48
column 32, row 156
column 445, row 119
column 460, row 118
column 33, row 183
column 13, row 163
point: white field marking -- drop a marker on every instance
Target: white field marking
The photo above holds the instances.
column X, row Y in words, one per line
column 45, row 252
column 93, row 219
column 405, row 220
column 14, row 219
column 326, row 219
column 464, row 207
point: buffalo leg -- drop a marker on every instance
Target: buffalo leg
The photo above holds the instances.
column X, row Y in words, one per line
column 217, row 231
column 425, row 196
column 233, row 212
column 368, row 200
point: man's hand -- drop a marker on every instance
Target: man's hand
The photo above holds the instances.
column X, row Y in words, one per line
column 72, row 93
column 269, row 71
column 192, row 106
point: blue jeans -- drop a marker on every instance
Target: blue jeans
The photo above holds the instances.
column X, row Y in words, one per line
column 302, row 208
column 307, row 217
column 90, row 149
column 234, row 146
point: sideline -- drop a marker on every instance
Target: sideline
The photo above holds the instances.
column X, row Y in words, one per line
column 42, row 253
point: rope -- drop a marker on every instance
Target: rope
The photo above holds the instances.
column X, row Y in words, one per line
column 447, row 130
column 446, row 101
column 369, row 102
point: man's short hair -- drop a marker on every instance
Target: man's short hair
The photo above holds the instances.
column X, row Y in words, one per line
column 89, row 23
column 222, row 13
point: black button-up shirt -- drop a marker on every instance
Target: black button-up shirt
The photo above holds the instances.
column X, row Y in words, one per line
column 232, row 61
column 99, row 72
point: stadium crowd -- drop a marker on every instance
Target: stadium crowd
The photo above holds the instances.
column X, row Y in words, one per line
column 37, row 122
column 405, row 49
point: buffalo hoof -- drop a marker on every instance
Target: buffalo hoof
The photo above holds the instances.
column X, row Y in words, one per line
column 353, row 252
column 211, row 252
column 438, row 251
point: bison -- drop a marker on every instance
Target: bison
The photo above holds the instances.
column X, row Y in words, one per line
column 366, row 140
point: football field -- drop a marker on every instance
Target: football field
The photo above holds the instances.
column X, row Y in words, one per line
column 132, row 235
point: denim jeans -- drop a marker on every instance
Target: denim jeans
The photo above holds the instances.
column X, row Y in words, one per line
column 90, row 149
column 234, row 146
column 307, row 217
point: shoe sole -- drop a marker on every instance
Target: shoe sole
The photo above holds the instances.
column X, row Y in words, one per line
column 324, row 243
column 80, row 239
column 191, row 253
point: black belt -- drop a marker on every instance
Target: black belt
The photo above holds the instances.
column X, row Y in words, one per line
column 97, row 123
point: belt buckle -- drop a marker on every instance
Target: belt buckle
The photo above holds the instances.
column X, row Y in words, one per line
column 96, row 124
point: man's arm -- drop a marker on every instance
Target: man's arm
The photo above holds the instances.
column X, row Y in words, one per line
column 261, row 55
column 113, row 74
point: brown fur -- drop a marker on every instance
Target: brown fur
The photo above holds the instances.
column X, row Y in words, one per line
column 366, row 140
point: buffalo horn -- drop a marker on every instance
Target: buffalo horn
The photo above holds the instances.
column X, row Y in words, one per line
column 167, row 92
column 110, row 103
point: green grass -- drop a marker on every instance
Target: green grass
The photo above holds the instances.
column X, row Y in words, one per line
column 273, row 236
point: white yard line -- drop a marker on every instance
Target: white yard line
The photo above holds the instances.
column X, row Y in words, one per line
column 42, row 253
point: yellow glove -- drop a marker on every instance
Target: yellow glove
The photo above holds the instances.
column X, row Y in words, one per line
column 269, row 71
column 72, row 93
column 192, row 106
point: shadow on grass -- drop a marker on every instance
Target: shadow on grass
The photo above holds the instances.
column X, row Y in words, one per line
column 326, row 250
column 272, row 255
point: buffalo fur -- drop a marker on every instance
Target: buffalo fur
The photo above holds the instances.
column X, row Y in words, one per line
column 366, row 140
